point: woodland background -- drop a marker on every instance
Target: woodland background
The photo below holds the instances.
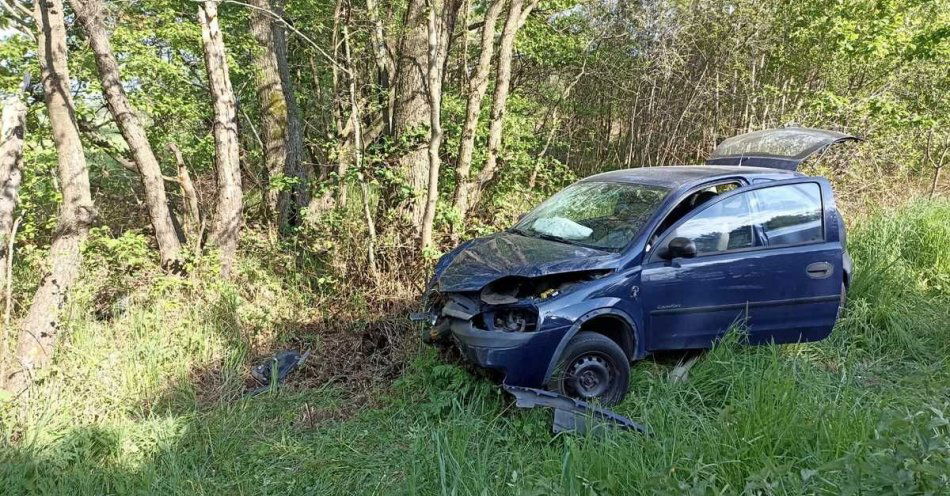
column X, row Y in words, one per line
column 188, row 186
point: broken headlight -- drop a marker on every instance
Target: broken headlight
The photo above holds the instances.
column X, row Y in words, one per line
column 515, row 320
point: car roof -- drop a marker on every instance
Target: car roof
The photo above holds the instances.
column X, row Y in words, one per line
column 679, row 176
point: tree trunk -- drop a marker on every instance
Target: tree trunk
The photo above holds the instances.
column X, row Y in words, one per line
column 91, row 14
column 189, row 194
column 270, row 94
column 435, row 117
column 297, row 167
column 500, row 98
column 12, row 131
column 40, row 328
column 478, row 84
column 383, row 61
column 228, row 215
column 934, row 183
column 412, row 110
column 341, row 168
column 411, row 115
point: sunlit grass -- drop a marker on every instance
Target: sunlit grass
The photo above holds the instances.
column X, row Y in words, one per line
column 129, row 411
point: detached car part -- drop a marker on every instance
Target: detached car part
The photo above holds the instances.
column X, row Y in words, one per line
column 572, row 415
column 275, row 369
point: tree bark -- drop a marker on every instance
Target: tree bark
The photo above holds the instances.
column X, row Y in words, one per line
column 189, row 193
column 516, row 18
column 273, row 102
column 411, row 114
column 228, row 215
column 298, row 165
column 478, row 84
column 12, row 131
column 40, row 328
column 412, row 109
column 337, row 108
column 91, row 14
column 434, row 77
column 384, row 63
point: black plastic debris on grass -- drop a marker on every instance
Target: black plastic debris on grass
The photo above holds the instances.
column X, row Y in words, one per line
column 572, row 415
column 275, row 369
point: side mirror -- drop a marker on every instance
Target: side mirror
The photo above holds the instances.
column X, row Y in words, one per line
column 680, row 248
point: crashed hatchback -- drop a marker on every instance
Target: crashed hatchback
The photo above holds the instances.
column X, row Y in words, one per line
column 629, row 262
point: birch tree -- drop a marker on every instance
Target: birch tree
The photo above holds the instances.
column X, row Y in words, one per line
column 91, row 14
column 12, row 133
column 228, row 214
column 40, row 328
column 469, row 190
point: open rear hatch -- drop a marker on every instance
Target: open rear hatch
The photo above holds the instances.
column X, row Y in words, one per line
column 783, row 148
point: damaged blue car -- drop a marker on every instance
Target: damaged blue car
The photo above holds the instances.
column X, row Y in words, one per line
column 630, row 262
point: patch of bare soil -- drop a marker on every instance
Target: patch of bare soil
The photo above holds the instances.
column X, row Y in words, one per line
column 358, row 356
column 363, row 355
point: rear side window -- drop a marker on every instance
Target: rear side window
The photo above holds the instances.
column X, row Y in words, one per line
column 790, row 214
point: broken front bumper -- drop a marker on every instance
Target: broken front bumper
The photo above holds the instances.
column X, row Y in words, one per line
column 522, row 358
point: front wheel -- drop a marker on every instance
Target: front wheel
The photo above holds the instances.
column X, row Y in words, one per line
column 593, row 367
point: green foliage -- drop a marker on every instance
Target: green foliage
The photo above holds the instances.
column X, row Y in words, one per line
column 145, row 392
column 900, row 295
column 909, row 454
column 150, row 401
column 127, row 252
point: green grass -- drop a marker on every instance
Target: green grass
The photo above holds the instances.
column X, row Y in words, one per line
column 148, row 404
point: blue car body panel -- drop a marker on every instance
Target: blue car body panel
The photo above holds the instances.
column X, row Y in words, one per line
column 508, row 254
column 782, row 294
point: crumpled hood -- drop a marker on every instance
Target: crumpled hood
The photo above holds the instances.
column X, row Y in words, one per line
column 478, row 262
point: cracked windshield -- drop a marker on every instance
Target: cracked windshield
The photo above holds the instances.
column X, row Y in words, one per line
column 598, row 215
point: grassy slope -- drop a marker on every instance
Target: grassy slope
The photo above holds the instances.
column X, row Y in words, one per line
column 864, row 410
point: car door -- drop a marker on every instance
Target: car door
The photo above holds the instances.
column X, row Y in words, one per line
column 781, row 291
column 804, row 257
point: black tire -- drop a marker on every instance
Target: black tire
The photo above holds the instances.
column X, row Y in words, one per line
column 593, row 368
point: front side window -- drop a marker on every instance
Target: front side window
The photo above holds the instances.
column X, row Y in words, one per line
column 724, row 226
column 695, row 200
column 790, row 214
column 774, row 217
column 603, row 215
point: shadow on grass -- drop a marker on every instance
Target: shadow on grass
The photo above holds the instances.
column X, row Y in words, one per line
column 199, row 434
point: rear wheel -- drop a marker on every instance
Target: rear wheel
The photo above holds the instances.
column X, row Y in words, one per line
column 593, row 367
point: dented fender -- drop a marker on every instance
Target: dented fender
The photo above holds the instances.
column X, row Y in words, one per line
column 639, row 349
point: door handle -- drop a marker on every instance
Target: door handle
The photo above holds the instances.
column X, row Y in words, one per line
column 819, row 270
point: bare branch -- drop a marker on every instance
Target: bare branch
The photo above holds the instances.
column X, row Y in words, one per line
column 23, row 21
column 279, row 18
